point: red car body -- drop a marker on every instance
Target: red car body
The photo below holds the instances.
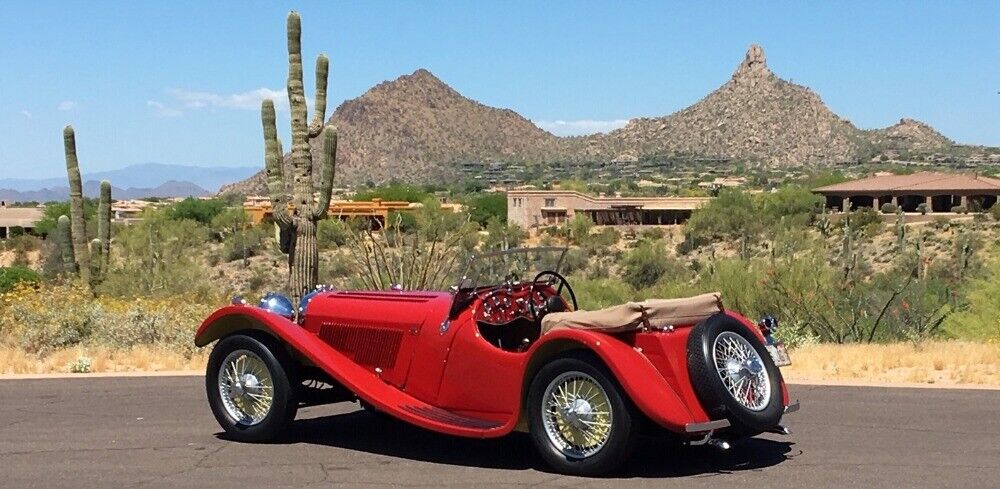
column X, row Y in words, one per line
column 418, row 358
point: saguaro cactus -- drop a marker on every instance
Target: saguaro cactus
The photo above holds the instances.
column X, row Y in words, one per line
column 65, row 238
column 89, row 258
column 298, row 213
column 77, row 224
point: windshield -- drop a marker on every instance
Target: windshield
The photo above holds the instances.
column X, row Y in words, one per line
column 513, row 265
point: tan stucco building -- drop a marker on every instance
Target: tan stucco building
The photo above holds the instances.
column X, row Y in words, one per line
column 530, row 208
column 18, row 217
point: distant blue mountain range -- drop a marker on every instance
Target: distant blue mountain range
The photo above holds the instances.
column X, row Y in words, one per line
column 145, row 175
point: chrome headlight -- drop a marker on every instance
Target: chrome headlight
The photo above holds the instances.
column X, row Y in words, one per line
column 276, row 303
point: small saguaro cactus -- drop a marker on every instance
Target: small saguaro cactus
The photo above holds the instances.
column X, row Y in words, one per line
column 89, row 258
column 65, row 238
column 297, row 214
column 900, row 230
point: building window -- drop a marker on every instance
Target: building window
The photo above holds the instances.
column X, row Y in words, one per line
column 550, row 202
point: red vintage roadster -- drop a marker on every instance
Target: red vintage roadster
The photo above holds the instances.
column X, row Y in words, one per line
column 503, row 350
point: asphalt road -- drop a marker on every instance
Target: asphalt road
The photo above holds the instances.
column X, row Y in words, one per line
column 158, row 432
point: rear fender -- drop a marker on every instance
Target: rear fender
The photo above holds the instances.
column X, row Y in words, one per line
column 644, row 385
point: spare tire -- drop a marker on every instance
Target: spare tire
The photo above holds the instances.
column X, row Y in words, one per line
column 734, row 376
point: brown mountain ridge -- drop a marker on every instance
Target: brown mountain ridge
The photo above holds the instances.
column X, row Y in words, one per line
column 416, row 129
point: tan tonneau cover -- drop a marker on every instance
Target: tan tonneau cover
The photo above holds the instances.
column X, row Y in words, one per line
column 652, row 313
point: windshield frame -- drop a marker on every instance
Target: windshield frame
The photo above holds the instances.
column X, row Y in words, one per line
column 477, row 258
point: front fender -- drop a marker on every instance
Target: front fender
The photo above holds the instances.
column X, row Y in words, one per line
column 640, row 379
column 234, row 318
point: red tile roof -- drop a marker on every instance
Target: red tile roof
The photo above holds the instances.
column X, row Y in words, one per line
column 918, row 182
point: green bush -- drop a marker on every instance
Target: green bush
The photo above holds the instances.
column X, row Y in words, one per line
column 730, row 215
column 244, row 244
column 578, row 229
column 502, row 236
column 11, row 276
column 995, row 211
column 53, row 210
column 648, row 262
column 393, row 193
column 959, row 209
column 791, row 203
column 923, row 208
column 888, row 208
column 485, row 206
column 200, row 210
column 332, row 233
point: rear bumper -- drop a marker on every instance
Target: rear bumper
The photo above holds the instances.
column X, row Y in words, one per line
column 718, row 424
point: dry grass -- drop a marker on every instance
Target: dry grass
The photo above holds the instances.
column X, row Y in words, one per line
column 931, row 362
column 101, row 359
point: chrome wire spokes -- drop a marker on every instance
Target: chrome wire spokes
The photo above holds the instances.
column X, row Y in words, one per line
column 742, row 370
column 576, row 414
column 246, row 387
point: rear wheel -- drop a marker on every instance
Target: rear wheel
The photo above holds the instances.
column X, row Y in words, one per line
column 734, row 375
column 249, row 389
column 578, row 417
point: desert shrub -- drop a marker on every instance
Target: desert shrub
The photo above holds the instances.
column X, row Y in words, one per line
column 332, row 233
column 156, row 258
column 597, row 293
column 995, row 211
column 244, row 244
column 865, row 221
column 53, row 210
column 978, row 317
column 791, row 203
column 888, row 208
column 731, row 214
column 578, row 229
column 574, row 261
column 12, row 276
column 959, row 209
column 923, row 208
column 28, row 319
column 649, row 262
column 395, row 193
column 502, row 235
column 485, row 206
column 652, row 234
column 200, row 210
column 229, row 221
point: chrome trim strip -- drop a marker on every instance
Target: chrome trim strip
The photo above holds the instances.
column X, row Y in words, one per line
column 792, row 407
column 706, row 426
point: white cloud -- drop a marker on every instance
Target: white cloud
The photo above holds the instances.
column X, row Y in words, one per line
column 580, row 127
column 66, row 105
column 26, row 113
column 249, row 100
column 161, row 110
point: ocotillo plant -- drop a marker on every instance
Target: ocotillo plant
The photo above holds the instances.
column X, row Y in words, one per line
column 75, row 233
column 298, row 213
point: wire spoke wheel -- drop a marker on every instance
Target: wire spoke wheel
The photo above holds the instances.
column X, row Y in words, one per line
column 246, row 387
column 742, row 370
column 576, row 414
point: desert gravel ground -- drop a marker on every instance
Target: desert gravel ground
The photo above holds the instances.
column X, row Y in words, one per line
column 158, row 432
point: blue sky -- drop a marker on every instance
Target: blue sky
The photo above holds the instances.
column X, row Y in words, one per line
column 180, row 82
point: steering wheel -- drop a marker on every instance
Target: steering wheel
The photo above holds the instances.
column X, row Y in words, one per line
column 562, row 283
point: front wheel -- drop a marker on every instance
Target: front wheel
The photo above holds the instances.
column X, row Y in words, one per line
column 249, row 389
column 578, row 417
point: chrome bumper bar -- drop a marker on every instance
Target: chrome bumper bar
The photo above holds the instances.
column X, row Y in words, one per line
column 706, row 426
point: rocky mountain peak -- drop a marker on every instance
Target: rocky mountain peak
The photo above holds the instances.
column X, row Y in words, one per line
column 754, row 64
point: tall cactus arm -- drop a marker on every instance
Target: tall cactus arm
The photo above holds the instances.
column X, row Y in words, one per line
column 104, row 226
column 76, row 205
column 65, row 242
column 319, row 107
column 329, row 171
column 96, row 259
column 273, row 164
column 302, row 185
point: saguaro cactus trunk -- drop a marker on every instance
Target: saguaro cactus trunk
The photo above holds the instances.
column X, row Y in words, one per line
column 298, row 213
column 89, row 259
column 77, row 224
